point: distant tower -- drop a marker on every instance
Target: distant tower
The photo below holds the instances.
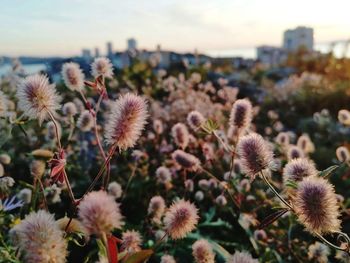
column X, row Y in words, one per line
column 293, row 39
column 132, row 44
column 97, row 52
column 196, row 56
column 109, row 49
column 86, row 54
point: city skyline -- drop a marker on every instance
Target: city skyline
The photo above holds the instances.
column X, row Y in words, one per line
column 64, row 28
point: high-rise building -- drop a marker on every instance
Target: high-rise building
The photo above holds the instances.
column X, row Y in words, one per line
column 97, row 52
column 86, row 54
column 300, row 37
column 132, row 44
column 109, row 49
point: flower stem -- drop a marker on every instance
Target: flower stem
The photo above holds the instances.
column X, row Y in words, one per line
column 275, row 192
column 56, row 129
column 129, row 181
column 103, row 167
column 346, row 249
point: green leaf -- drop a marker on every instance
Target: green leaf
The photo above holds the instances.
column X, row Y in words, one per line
column 292, row 184
column 219, row 249
column 209, row 126
column 327, row 172
column 210, row 214
column 101, row 248
column 140, row 256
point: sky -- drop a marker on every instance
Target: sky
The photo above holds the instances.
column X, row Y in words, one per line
column 64, row 27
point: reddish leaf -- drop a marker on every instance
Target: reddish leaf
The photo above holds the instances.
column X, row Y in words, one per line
column 90, row 84
column 272, row 218
column 112, row 249
column 57, row 169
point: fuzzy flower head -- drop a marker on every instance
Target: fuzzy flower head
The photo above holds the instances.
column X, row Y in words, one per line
column 102, row 67
column 298, row 169
column 85, row 121
column 132, row 241
column 5, row 159
column 342, row 154
column 294, row 152
column 158, row 126
column 255, row 154
column 25, row 195
column 72, row 75
column 318, row 252
column 242, row 257
column 156, row 208
column 69, row 109
column 195, row 119
column 99, row 213
column 180, row 135
column 304, row 143
column 40, row 238
column 180, row 219
column 344, row 117
column 51, row 131
column 167, row 259
column 241, row 114
column 186, row 160
column 126, row 121
column 37, row 168
column 316, row 205
column 115, row 190
column 36, row 97
column 203, row 252
column 221, row 200
column 282, row 139
column 6, row 183
column 163, row 175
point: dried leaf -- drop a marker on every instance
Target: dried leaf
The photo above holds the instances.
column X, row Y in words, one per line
column 140, row 256
column 272, row 218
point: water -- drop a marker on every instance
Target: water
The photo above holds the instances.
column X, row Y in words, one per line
column 28, row 69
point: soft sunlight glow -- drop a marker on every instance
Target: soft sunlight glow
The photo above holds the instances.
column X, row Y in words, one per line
column 56, row 27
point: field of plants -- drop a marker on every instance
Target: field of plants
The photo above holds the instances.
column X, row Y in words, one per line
column 184, row 165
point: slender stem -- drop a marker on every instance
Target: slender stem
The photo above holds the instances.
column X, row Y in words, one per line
column 43, row 191
column 226, row 189
column 129, row 181
column 71, row 128
column 226, row 147
column 83, row 97
column 275, row 192
column 56, row 129
column 103, row 167
column 160, row 241
column 70, row 191
column 347, row 249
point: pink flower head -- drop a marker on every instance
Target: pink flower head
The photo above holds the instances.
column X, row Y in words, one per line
column 126, row 121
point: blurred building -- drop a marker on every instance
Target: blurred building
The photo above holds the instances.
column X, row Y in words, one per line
column 97, row 52
column 109, row 49
column 300, row 37
column 132, row 44
column 271, row 56
column 86, row 54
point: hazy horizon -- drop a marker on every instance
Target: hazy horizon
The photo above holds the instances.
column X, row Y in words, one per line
column 65, row 27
